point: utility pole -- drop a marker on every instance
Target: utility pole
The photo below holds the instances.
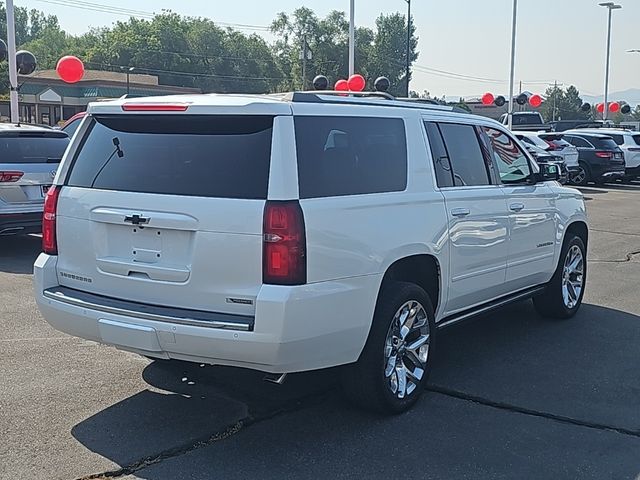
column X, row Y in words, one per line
column 513, row 63
column 13, row 69
column 352, row 37
column 610, row 6
column 305, row 55
column 408, row 66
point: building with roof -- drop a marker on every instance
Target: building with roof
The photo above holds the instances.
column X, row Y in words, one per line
column 46, row 99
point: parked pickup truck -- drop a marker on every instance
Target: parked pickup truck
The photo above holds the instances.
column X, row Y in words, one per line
column 531, row 121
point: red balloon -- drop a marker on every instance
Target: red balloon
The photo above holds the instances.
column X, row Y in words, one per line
column 70, row 69
column 535, row 100
column 356, row 83
column 600, row 107
column 614, row 107
column 342, row 85
column 487, row 98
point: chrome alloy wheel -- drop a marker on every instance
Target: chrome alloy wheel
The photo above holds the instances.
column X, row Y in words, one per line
column 406, row 349
column 572, row 277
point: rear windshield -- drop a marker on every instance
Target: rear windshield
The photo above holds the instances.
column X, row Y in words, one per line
column 603, row 143
column 207, row 156
column 527, row 119
column 32, row 148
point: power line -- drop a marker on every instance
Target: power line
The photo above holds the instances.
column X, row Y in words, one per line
column 98, row 7
column 190, row 74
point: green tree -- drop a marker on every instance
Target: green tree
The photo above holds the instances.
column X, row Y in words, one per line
column 379, row 52
column 389, row 51
column 567, row 104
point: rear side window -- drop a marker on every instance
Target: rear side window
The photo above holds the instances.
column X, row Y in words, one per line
column 619, row 139
column 26, row 148
column 207, row 156
column 465, row 154
column 340, row 156
column 636, row 138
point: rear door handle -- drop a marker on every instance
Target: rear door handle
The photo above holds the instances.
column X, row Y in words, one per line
column 460, row 212
column 516, row 207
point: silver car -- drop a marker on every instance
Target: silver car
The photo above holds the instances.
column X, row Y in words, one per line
column 29, row 158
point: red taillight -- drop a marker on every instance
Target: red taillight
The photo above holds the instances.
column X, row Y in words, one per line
column 155, row 107
column 284, row 244
column 10, row 176
column 49, row 241
column 604, row 154
column 552, row 146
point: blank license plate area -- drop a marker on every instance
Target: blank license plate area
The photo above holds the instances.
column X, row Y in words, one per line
column 144, row 245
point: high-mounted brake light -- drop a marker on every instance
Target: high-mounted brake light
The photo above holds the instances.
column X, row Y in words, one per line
column 10, row 176
column 155, row 107
column 284, row 244
column 49, row 240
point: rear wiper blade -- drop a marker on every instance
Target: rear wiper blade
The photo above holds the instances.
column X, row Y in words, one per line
column 54, row 160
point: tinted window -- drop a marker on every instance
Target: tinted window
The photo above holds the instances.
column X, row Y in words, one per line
column 619, row 139
column 603, row 143
column 221, row 156
column 350, row 155
column 441, row 164
column 513, row 165
column 465, row 154
column 636, row 138
column 32, row 148
column 526, row 119
column 578, row 142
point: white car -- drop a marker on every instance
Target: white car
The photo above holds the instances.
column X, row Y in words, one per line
column 554, row 144
column 302, row 231
column 627, row 140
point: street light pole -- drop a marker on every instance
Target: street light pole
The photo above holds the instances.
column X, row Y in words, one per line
column 408, row 66
column 513, row 63
column 610, row 6
column 352, row 37
column 13, row 69
column 128, row 71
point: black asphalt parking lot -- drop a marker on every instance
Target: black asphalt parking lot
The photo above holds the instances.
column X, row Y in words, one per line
column 512, row 396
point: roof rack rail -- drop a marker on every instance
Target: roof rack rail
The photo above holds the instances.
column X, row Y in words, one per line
column 343, row 93
column 320, row 96
column 428, row 101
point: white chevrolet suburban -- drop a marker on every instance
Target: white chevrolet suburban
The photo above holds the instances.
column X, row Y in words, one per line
column 301, row 231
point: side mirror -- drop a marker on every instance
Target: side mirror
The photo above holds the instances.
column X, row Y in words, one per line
column 548, row 172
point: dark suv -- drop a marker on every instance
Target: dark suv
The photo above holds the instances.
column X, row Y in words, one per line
column 600, row 158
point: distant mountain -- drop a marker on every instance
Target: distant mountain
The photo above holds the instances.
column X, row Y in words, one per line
column 631, row 96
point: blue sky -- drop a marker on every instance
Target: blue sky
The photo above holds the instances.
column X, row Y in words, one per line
column 561, row 40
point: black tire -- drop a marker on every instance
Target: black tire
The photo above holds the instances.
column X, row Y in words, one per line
column 365, row 382
column 582, row 180
column 551, row 303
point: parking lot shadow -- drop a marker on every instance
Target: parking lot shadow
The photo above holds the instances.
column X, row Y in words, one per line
column 17, row 253
column 584, row 368
column 186, row 404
